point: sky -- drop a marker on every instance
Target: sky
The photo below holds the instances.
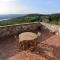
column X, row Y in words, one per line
column 29, row 6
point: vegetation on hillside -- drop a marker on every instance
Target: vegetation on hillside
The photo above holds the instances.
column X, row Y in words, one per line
column 51, row 18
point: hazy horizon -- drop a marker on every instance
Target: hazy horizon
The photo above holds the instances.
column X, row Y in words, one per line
column 30, row 13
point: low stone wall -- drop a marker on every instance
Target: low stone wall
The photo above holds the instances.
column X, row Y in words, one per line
column 51, row 27
column 18, row 28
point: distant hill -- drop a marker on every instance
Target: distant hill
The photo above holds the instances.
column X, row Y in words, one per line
column 10, row 16
column 17, row 19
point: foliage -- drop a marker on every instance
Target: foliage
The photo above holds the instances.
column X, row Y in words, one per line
column 51, row 18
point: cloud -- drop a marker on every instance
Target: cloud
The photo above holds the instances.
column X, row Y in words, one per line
column 22, row 6
column 6, row 0
column 11, row 7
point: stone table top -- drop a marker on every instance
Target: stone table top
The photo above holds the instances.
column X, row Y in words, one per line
column 27, row 36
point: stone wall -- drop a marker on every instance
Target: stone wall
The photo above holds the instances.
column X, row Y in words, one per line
column 51, row 27
column 18, row 28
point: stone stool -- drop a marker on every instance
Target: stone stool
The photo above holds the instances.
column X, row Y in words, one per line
column 27, row 40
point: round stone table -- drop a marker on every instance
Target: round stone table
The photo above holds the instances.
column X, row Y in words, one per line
column 27, row 40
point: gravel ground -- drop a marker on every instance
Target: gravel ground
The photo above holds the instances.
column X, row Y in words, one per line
column 8, row 48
